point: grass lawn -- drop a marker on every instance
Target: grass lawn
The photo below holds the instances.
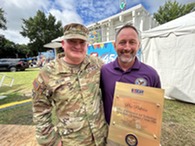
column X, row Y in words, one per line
column 178, row 127
column 22, row 81
column 21, row 90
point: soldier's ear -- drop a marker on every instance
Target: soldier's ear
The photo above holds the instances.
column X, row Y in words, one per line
column 62, row 43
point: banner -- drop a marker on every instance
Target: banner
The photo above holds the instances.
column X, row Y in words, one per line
column 105, row 51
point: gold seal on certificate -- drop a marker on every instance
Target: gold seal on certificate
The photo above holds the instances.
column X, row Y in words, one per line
column 136, row 117
column 131, row 140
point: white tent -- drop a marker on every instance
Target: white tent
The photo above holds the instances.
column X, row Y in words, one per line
column 56, row 43
column 53, row 45
column 170, row 49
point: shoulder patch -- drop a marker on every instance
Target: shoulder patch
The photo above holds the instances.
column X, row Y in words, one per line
column 36, row 84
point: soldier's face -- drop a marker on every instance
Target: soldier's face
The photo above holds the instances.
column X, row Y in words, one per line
column 75, row 50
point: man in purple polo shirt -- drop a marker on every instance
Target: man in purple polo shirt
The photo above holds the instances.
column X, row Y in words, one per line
column 126, row 68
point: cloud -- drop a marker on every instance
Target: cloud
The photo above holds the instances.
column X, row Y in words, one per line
column 15, row 11
column 65, row 12
column 81, row 11
column 95, row 10
column 14, row 36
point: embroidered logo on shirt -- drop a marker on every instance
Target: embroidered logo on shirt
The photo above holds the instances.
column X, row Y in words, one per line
column 141, row 81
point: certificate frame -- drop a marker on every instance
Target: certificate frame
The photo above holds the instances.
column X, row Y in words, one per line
column 136, row 117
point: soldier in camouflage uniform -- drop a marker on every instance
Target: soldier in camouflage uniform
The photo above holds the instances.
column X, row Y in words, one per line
column 71, row 85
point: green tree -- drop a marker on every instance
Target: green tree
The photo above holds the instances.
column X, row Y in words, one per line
column 2, row 20
column 7, row 49
column 41, row 30
column 172, row 10
column 23, row 51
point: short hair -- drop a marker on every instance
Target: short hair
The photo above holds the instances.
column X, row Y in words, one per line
column 127, row 26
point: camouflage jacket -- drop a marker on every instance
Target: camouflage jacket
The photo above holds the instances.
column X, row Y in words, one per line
column 76, row 97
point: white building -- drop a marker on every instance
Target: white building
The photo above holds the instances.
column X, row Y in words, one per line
column 104, row 30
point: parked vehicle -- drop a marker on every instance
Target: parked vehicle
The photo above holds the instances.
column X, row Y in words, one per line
column 25, row 62
column 12, row 64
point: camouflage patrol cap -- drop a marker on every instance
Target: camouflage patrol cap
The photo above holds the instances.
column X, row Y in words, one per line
column 75, row 31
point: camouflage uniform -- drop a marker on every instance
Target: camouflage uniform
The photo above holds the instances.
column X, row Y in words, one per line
column 76, row 97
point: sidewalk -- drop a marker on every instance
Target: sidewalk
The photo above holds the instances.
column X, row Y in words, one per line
column 17, row 135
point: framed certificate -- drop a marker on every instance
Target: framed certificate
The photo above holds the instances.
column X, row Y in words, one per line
column 136, row 115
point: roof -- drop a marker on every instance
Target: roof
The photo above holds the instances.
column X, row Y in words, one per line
column 180, row 26
column 53, row 45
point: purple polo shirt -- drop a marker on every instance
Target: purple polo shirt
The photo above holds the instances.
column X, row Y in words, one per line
column 139, row 73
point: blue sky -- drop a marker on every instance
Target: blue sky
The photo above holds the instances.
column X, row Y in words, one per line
column 81, row 11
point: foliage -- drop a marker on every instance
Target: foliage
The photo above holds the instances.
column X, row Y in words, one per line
column 2, row 20
column 22, row 50
column 41, row 30
column 9, row 49
column 172, row 10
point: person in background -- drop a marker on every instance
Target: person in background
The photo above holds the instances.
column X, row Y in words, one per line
column 71, row 86
column 126, row 68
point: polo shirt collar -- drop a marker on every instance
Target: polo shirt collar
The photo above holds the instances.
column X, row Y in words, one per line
column 135, row 66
